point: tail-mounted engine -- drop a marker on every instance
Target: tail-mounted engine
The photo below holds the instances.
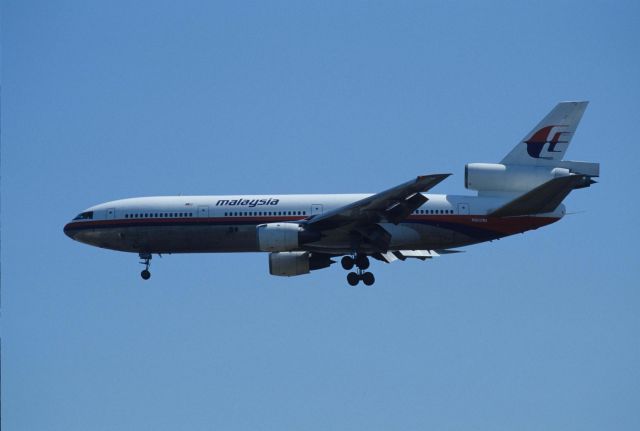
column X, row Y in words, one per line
column 496, row 177
column 508, row 178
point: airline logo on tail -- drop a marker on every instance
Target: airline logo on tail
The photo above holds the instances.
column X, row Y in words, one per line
column 536, row 143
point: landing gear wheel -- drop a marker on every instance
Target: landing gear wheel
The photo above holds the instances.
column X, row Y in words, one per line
column 362, row 261
column 347, row 262
column 368, row 278
column 146, row 261
column 353, row 279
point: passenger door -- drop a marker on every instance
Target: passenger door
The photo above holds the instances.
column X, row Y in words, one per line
column 316, row 209
column 463, row 209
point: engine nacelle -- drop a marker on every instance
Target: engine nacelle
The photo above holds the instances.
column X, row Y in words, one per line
column 278, row 236
column 508, row 178
column 291, row 263
column 283, row 236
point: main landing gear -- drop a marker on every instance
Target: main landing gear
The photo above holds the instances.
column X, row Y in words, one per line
column 146, row 261
column 361, row 261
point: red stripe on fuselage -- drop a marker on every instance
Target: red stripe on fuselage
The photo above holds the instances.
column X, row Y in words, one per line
column 502, row 226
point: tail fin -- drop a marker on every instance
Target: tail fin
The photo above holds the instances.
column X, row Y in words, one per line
column 546, row 144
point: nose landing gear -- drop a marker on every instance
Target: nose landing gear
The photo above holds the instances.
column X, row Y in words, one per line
column 146, row 261
column 361, row 261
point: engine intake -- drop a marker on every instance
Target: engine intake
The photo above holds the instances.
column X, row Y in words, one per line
column 292, row 263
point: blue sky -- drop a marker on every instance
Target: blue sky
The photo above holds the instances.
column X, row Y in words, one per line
column 105, row 100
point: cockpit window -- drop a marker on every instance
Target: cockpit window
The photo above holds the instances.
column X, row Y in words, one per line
column 87, row 215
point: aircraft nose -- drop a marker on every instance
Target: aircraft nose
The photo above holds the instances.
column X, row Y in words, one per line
column 68, row 231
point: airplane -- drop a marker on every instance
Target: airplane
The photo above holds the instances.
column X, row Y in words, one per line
column 304, row 233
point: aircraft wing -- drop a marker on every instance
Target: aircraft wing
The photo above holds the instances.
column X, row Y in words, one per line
column 393, row 205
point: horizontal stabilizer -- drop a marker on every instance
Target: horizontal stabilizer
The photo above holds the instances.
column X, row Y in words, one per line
column 544, row 198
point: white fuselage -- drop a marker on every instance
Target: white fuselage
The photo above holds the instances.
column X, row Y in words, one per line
column 183, row 224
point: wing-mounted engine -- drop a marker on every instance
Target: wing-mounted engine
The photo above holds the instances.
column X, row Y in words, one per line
column 284, row 236
column 291, row 263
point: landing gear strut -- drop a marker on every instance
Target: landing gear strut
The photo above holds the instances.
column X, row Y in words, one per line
column 146, row 261
column 361, row 261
